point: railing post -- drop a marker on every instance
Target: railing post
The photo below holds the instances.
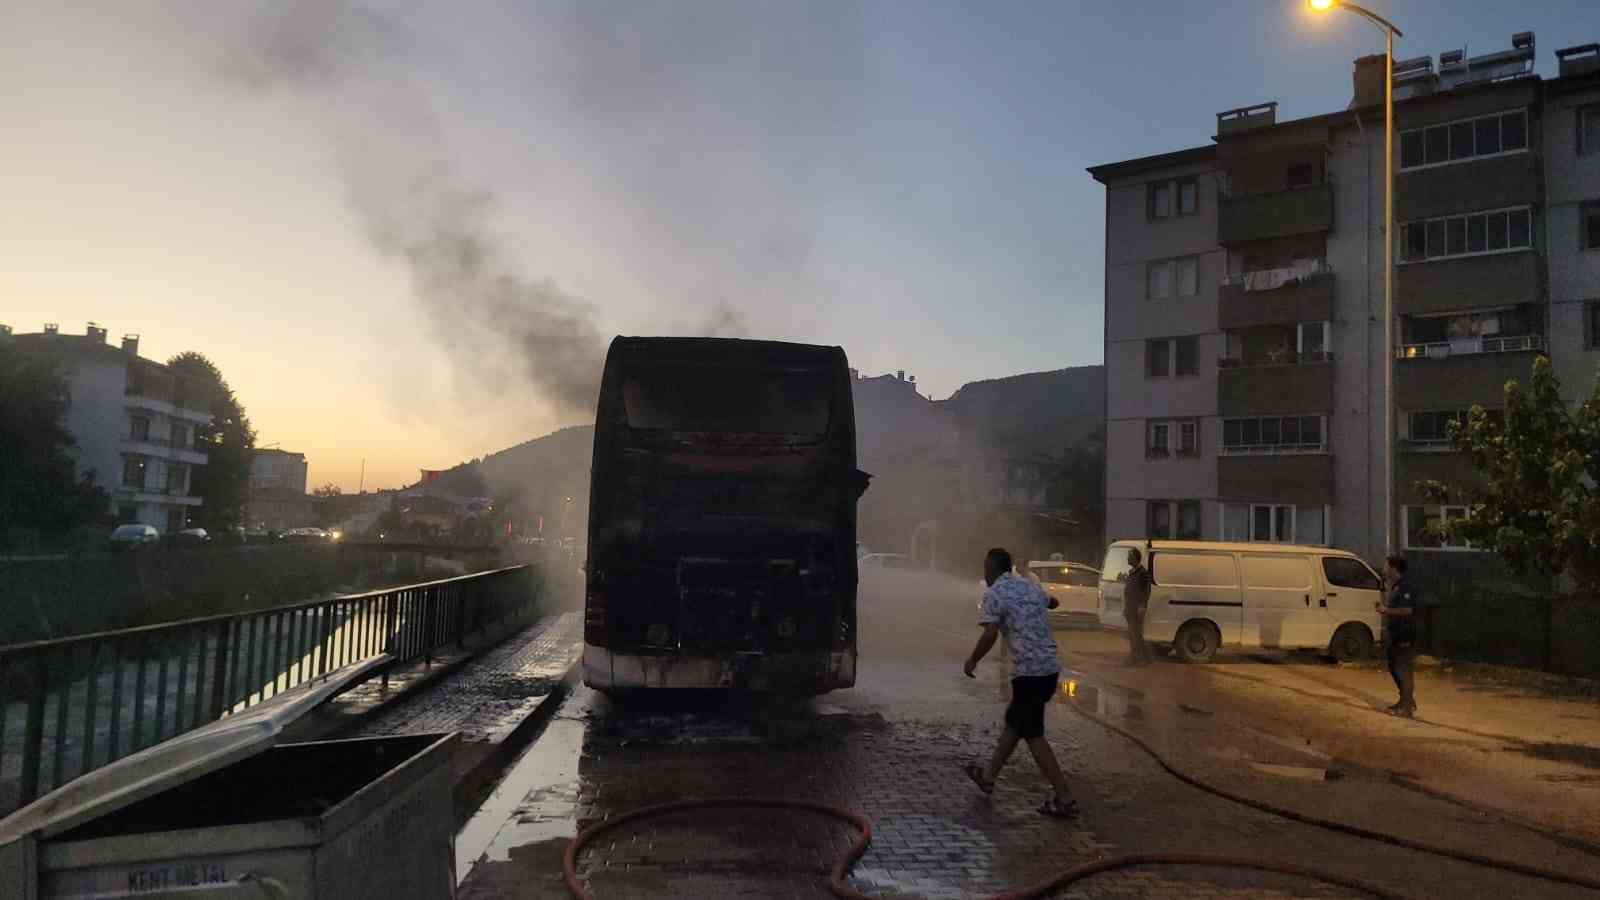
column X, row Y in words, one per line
column 391, row 617
column 33, row 735
column 219, row 672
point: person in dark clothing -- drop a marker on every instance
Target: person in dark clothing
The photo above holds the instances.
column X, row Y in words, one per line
column 1135, row 599
column 1400, row 633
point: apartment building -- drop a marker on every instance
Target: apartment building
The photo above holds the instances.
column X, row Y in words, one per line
column 133, row 421
column 1244, row 298
column 278, row 497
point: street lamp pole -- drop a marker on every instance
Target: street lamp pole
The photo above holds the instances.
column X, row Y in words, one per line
column 1389, row 33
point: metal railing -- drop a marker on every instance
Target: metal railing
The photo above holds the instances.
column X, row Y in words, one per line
column 1319, row 269
column 1472, row 347
column 83, row 702
column 1290, row 449
column 1285, row 358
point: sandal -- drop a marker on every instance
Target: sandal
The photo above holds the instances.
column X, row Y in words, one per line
column 1056, row 808
column 975, row 772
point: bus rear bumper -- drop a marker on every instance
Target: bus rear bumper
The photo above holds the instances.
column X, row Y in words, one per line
column 809, row 673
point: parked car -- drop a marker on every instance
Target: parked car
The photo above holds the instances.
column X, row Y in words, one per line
column 133, row 536
column 888, row 561
column 1076, row 588
column 191, row 536
column 1209, row 594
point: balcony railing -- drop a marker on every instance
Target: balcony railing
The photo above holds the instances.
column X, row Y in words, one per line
column 1272, row 449
column 1272, row 279
column 1472, row 346
column 1287, row 358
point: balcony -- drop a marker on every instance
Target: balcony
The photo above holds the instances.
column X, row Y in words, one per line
column 169, row 494
column 1467, row 282
column 164, row 448
column 1276, row 297
column 1304, row 480
column 1458, row 379
column 1255, row 217
column 1523, row 343
column 1467, row 186
column 1299, row 383
column 137, row 401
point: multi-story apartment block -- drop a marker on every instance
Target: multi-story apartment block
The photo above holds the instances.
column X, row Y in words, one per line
column 1244, row 298
column 277, row 491
column 133, row 421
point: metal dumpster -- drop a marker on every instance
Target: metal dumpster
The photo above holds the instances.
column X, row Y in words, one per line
column 226, row 812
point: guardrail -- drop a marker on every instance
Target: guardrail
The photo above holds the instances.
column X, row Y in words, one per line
column 90, row 700
column 1472, row 347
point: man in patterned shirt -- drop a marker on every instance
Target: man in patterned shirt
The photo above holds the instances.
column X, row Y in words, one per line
column 1016, row 607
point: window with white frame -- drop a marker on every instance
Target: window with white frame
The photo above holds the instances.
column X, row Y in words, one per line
column 1274, row 434
column 1172, row 356
column 1179, row 519
column 1176, row 277
column 1311, row 340
column 1493, row 231
column 1431, row 428
column 1464, row 139
column 1172, row 197
column 1172, row 437
column 1421, row 522
column 1158, row 440
column 1189, row 437
column 1275, row 523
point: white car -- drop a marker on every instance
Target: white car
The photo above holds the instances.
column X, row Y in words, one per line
column 1075, row 586
column 133, row 536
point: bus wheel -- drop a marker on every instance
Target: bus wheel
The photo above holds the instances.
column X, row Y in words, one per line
column 1197, row 642
column 1352, row 641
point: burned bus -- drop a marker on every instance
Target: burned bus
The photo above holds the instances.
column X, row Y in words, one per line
column 722, row 518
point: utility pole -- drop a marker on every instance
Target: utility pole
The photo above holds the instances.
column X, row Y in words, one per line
column 362, row 489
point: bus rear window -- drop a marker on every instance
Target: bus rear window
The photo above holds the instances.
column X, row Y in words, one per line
column 725, row 401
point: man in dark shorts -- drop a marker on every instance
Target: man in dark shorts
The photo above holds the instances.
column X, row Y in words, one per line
column 1016, row 607
column 1400, row 633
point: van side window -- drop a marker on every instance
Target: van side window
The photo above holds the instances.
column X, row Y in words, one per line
column 1345, row 572
column 1080, row 577
column 1115, row 567
column 1193, row 570
column 1283, row 572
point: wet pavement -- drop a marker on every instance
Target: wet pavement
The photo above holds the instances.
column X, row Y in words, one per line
column 891, row 749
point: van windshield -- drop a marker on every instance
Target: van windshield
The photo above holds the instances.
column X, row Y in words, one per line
column 723, row 401
column 1115, row 568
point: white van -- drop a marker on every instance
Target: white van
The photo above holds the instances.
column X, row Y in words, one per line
column 1208, row 594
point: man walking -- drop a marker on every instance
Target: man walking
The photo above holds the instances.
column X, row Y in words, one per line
column 1015, row 607
column 1400, row 633
column 1135, row 598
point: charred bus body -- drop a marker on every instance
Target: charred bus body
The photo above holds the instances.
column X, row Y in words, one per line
column 722, row 518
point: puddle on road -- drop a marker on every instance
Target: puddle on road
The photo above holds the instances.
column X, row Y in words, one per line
column 536, row 800
column 1100, row 699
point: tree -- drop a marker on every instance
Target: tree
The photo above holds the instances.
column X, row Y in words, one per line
column 229, row 442
column 40, row 489
column 1539, row 507
column 328, row 490
column 1078, row 482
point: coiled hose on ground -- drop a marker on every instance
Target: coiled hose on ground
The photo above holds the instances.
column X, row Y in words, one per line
column 839, row 878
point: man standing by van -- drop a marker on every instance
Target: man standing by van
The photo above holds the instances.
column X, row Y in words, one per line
column 1015, row 607
column 1400, row 633
column 1135, row 599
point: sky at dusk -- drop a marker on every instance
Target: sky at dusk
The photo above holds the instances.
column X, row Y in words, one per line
column 405, row 232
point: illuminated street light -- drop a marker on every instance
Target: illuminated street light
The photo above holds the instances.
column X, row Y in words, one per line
column 1389, row 33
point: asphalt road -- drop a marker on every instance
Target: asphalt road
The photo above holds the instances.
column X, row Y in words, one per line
column 891, row 748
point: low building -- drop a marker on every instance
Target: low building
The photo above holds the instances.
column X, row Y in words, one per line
column 133, row 421
column 278, row 497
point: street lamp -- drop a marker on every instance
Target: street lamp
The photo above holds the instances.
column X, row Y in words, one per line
column 1389, row 33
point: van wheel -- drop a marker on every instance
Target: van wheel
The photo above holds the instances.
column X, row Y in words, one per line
column 1197, row 642
column 1352, row 641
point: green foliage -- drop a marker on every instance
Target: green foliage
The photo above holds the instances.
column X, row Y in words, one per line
column 1078, row 482
column 40, row 490
column 1540, row 462
column 229, row 442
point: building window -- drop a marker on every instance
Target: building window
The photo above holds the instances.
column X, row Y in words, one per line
column 180, row 437
column 1189, row 438
column 1173, row 519
column 139, row 429
column 1188, row 196
column 1274, row 523
column 176, row 519
column 1311, row 340
column 1164, row 199
column 1592, row 329
column 1158, row 440
column 1172, row 356
column 1179, row 277
column 177, row 479
column 1432, row 427
column 133, row 471
column 1589, row 130
column 1467, row 139
column 1299, row 175
column 1420, row 520
column 1591, row 225
column 1485, row 232
column 1273, row 434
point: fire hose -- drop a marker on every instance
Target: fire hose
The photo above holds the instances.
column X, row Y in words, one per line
column 839, row 877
